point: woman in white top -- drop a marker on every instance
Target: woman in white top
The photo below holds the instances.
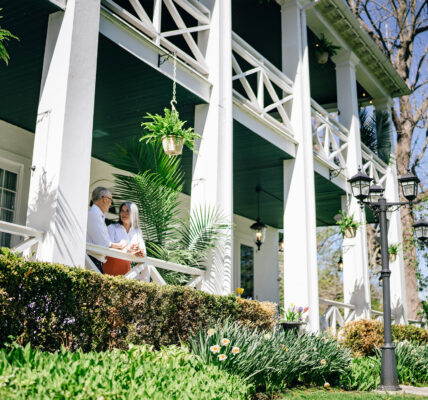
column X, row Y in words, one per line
column 126, row 229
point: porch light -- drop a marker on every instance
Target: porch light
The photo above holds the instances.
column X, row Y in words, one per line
column 340, row 264
column 360, row 184
column 409, row 186
column 281, row 244
column 258, row 227
column 375, row 193
column 421, row 231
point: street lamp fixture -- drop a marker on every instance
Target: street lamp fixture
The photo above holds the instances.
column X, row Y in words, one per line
column 372, row 196
column 421, row 231
column 258, row 227
column 340, row 264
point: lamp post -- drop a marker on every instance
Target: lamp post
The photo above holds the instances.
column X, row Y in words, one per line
column 372, row 196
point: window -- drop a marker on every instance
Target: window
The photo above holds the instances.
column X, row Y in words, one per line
column 8, row 189
column 247, row 270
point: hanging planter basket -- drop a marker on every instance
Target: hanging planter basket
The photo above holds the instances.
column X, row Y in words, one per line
column 322, row 57
column 172, row 145
column 392, row 257
column 350, row 233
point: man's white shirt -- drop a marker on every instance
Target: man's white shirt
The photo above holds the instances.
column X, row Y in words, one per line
column 97, row 232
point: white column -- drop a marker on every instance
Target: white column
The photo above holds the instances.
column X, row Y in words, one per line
column 58, row 199
column 213, row 164
column 356, row 280
column 300, row 243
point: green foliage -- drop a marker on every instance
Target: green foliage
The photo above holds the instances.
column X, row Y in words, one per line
column 363, row 336
column 368, row 130
column 5, row 36
column 185, row 239
column 324, row 45
column 394, row 248
column 274, row 360
column 137, row 373
column 346, row 221
column 52, row 305
column 169, row 124
column 412, row 368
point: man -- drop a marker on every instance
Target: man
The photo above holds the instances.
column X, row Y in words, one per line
column 97, row 232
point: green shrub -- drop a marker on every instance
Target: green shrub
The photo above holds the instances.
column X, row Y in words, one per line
column 412, row 368
column 363, row 336
column 138, row 373
column 272, row 360
column 52, row 305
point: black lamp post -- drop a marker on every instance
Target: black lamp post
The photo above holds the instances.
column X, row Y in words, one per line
column 372, row 196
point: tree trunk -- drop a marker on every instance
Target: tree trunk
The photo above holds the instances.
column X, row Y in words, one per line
column 403, row 151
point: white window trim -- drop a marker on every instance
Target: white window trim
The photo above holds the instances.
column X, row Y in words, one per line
column 246, row 240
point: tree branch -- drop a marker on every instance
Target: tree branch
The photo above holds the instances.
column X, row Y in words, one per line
column 420, row 113
column 421, row 154
column 418, row 69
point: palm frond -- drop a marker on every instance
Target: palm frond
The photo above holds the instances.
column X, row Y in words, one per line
column 368, row 130
column 384, row 132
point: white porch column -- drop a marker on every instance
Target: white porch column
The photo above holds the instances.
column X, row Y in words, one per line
column 355, row 259
column 213, row 164
column 300, row 243
column 58, row 199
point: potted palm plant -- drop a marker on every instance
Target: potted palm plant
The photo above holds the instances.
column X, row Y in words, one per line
column 324, row 49
column 169, row 129
column 293, row 318
column 347, row 225
column 393, row 250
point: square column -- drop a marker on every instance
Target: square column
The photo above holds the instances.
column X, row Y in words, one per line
column 356, row 280
column 212, row 177
column 58, row 199
column 300, row 242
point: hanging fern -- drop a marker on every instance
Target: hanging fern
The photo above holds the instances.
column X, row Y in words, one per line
column 5, row 36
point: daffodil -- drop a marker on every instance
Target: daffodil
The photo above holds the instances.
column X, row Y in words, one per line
column 239, row 291
column 222, row 357
column 326, row 385
column 225, row 342
column 235, row 350
column 267, row 336
column 215, row 349
column 323, row 362
column 211, row 332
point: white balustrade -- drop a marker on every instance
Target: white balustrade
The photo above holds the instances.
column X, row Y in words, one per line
column 373, row 166
column 333, row 318
column 146, row 267
column 329, row 137
column 31, row 236
column 152, row 26
column 246, row 63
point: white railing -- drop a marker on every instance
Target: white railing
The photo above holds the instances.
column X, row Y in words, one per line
column 332, row 318
column 31, row 236
column 178, row 11
column 246, row 63
column 329, row 137
column 146, row 268
column 373, row 166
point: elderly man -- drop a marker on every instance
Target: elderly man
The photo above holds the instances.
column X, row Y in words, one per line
column 97, row 232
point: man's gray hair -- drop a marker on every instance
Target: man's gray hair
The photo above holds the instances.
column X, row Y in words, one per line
column 99, row 192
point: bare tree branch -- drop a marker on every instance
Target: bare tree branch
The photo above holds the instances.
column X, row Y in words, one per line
column 421, row 154
column 420, row 113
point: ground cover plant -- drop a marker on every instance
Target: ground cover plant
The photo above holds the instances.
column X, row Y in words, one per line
column 52, row 305
column 137, row 373
column 412, row 368
column 272, row 361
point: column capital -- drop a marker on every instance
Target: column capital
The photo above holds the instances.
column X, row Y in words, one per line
column 383, row 103
column 346, row 58
column 301, row 4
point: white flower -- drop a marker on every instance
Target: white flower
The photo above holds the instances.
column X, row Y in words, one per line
column 235, row 350
column 211, row 332
column 215, row 349
column 225, row 342
column 267, row 336
column 222, row 357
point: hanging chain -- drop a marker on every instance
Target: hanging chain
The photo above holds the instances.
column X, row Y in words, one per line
column 174, row 84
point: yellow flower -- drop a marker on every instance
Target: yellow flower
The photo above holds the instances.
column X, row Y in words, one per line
column 215, row 349
column 286, row 349
column 323, row 362
column 211, row 332
column 235, row 350
column 239, row 290
column 291, row 304
column 326, row 385
column 222, row 357
column 225, row 342
column 267, row 336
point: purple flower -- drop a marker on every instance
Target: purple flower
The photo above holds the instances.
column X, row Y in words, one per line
column 300, row 309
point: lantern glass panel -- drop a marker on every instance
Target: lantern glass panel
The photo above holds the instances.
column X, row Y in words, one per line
column 260, row 235
column 409, row 189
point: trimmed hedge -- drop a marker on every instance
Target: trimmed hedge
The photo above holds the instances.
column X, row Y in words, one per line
column 49, row 305
column 363, row 336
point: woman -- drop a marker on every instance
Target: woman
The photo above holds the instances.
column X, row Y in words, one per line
column 126, row 229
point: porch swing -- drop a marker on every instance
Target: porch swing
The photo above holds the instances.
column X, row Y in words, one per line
column 169, row 128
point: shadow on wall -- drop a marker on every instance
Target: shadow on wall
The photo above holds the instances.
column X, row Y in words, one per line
column 51, row 213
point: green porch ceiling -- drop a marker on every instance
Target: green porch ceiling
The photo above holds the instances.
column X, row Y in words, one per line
column 126, row 89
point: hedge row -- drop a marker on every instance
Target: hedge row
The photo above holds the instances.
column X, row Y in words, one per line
column 363, row 336
column 49, row 305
